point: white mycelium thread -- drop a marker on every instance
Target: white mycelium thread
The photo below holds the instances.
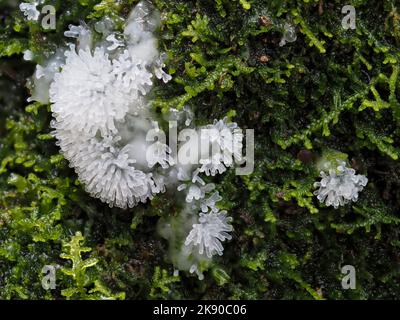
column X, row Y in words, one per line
column 340, row 186
column 98, row 94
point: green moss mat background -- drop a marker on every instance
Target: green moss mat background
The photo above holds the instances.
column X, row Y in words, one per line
column 330, row 89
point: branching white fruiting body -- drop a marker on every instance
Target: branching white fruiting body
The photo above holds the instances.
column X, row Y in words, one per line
column 29, row 10
column 225, row 146
column 92, row 93
column 107, row 171
column 340, row 186
column 208, row 234
column 289, row 34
